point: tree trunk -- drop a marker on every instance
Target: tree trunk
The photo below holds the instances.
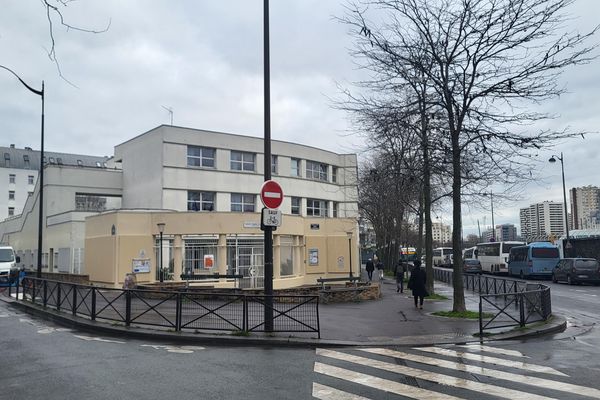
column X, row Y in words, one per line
column 457, row 282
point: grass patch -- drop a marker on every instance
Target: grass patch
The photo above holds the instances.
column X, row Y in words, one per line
column 240, row 333
column 436, row 296
column 464, row 314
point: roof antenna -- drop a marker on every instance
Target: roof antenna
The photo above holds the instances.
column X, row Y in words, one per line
column 170, row 110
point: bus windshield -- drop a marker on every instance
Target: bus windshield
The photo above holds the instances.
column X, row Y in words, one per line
column 7, row 255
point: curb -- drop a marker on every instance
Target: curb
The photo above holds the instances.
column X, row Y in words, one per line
column 557, row 324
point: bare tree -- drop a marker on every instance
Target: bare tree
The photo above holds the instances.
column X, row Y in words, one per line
column 489, row 60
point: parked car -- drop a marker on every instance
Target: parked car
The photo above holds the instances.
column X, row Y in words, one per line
column 577, row 270
column 471, row 266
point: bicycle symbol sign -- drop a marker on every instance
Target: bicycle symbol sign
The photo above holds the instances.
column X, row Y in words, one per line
column 271, row 217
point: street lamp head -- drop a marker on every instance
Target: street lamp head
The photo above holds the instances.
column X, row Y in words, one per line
column 350, row 234
column 552, row 159
column 161, row 227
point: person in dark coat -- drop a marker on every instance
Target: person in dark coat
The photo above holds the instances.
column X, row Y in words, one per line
column 370, row 267
column 379, row 267
column 399, row 272
column 417, row 284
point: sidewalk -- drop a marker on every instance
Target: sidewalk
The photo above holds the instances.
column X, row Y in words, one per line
column 392, row 320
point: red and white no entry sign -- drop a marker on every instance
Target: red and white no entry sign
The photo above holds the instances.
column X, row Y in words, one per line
column 271, row 194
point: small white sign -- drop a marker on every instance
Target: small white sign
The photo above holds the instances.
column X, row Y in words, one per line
column 140, row 265
column 271, row 217
column 251, row 224
column 209, row 261
column 313, row 257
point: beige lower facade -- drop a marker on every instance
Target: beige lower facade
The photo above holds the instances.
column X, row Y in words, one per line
column 122, row 242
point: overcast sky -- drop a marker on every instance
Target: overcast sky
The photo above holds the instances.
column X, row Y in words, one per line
column 203, row 59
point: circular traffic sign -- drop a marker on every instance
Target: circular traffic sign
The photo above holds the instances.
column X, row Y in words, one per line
column 271, row 194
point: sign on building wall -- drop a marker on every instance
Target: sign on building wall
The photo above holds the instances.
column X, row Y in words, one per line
column 313, row 257
column 340, row 262
column 209, row 261
column 140, row 265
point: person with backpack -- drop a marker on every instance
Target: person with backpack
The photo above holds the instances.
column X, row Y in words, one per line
column 417, row 284
column 399, row 273
column 369, row 267
column 379, row 267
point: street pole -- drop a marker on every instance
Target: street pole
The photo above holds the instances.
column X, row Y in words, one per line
column 41, row 172
column 350, row 252
column 161, row 228
column 268, row 233
column 562, row 167
column 493, row 225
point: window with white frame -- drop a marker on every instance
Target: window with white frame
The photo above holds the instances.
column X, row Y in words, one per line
column 200, row 201
column 30, row 179
column 334, row 173
column 200, row 156
column 241, row 202
column 242, row 161
column 273, row 164
column 316, row 208
column 295, row 170
column 316, row 170
column 286, row 256
column 296, row 204
column 11, row 194
column 335, row 211
column 12, row 178
column 11, row 211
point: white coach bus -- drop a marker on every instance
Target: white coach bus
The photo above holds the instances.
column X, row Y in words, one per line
column 494, row 256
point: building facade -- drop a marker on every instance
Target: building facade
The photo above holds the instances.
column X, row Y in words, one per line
column 203, row 188
column 585, row 207
column 441, row 233
column 542, row 221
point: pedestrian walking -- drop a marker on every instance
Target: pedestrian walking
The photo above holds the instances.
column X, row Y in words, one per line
column 417, row 284
column 399, row 272
column 379, row 267
column 370, row 267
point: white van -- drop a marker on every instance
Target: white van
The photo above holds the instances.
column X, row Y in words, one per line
column 8, row 262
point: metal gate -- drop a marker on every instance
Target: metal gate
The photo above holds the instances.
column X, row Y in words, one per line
column 246, row 257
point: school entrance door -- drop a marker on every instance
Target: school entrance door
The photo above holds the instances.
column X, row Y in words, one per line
column 246, row 256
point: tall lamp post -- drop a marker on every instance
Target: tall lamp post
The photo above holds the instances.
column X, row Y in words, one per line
column 161, row 228
column 492, row 205
column 41, row 173
column 562, row 167
column 350, row 251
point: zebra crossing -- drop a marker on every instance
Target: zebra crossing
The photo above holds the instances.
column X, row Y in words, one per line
column 439, row 372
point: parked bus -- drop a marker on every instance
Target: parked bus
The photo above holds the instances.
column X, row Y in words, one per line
column 494, row 256
column 535, row 259
column 408, row 254
column 469, row 253
column 442, row 257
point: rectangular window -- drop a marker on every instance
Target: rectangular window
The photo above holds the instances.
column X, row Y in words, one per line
column 295, row 167
column 242, row 161
column 317, row 171
column 201, row 201
column 11, row 194
column 286, row 256
column 242, row 202
column 336, row 209
column 59, row 161
column 6, row 159
column 30, row 179
column 296, row 202
column 316, row 208
column 334, row 171
column 273, row 164
column 12, row 178
column 201, row 157
column 11, row 211
column 96, row 202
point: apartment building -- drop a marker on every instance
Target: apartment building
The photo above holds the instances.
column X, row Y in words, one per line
column 542, row 220
column 202, row 189
column 585, row 207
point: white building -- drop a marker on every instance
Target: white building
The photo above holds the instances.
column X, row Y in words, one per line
column 585, row 207
column 542, row 220
column 441, row 233
column 204, row 186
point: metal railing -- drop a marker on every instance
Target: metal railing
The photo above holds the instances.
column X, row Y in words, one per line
column 504, row 302
column 179, row 311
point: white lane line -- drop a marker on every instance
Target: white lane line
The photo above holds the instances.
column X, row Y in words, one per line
column 495, row 350
column 492, row 373
column 97, row 339
column 491, row 360
column 380, row 384
column 328, row 393
column 441, row 379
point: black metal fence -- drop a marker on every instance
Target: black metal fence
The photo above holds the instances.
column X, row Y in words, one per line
column 178, row 311
column 504, row 302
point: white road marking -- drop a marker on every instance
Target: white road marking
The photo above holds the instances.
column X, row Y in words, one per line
column 380, row 384
column 273, row 195
column 492, row 360
column 328, row 393
column 492, row 373
column 495, row 350
column 97, row 339
column 442, row 379
column 174, row 349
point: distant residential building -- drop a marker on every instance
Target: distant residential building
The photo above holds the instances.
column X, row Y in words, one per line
column 506, row 232
column 585, row 207
column 441, row 233
column 542, row 220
